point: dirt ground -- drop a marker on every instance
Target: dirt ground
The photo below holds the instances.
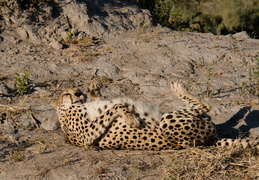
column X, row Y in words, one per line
column 66, row 44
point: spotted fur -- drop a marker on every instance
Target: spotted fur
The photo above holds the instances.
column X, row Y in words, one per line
column 124, row 123
column 249, row 142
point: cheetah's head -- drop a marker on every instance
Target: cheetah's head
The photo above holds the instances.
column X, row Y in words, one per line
column 71, row 96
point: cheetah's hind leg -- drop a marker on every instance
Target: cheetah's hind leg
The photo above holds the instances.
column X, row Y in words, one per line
column 198, row 106
column 102, row 124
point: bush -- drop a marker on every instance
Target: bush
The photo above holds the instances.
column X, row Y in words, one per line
column 216, row 16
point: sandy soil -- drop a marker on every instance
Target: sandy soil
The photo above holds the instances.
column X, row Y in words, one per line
column 118, row 41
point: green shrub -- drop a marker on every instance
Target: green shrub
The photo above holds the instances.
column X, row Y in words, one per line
column 216, row 16
column 22, row 82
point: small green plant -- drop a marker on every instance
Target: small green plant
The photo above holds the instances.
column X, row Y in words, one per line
column 253, row 78
column 209, row 75
column 251, row 87
column 243, row 91
column 22, row 82
column 69, row 34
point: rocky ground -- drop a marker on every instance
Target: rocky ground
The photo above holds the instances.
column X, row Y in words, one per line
column 66, row 44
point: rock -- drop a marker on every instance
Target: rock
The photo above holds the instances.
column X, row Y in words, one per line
column 100, row 20
column 46, row 117
column 23, row 33
column 241, row 36
column 64, row 35
column 56, row 45
column 254, row 132
column 28, row 33
column 50, row 123
column 3, row 90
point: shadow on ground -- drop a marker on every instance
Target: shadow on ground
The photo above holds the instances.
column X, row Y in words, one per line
column 240, row 124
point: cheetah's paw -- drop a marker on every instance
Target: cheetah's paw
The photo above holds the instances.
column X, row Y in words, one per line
column 178, row 88
column 94, row 89
column 94, row 85
column 132, row 120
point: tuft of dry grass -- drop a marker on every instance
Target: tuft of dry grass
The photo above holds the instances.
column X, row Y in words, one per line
column 214, row 163
column 16, row 156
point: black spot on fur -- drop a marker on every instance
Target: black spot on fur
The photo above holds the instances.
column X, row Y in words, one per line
column 169, row 117
column 187, row 127
column 172, row 121
column 178, row 125
column 164, row 126
column 186, row 138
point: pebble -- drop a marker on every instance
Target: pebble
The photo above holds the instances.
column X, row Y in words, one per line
column 56, row 45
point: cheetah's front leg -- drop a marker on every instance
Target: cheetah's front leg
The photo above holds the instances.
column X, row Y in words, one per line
column 102, row 124
column 94, row 90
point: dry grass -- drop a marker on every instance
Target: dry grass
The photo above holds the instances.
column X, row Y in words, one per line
column 82, row 49
column 16, row 156
column 215, row 163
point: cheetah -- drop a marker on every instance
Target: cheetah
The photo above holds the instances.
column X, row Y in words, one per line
column 125, row 123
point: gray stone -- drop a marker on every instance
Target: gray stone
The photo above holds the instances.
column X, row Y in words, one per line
column 28, row 33
column 51, row 123
column 56, row 45
column 254, row 132
column 241, row 35
column 23, row 33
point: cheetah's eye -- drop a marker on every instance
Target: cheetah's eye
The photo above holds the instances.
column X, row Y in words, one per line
column 67, row 94
column 77, row 94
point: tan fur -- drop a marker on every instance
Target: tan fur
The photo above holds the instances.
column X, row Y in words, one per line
column 129, row 124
